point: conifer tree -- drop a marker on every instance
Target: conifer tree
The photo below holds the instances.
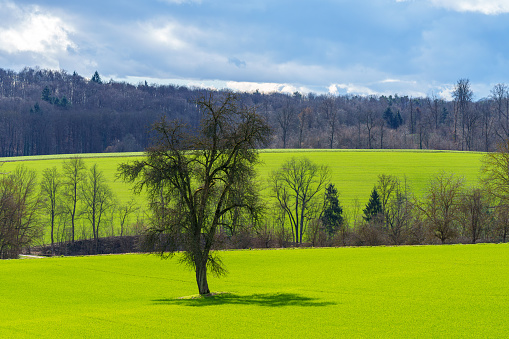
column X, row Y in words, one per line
column 332, row 218
column 374, row 206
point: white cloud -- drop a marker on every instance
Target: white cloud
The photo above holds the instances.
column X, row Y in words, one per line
column 28, row 29
column 488, row 7
column 265, row 87
column 356, row 89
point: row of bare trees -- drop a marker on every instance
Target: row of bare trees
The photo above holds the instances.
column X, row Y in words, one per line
column 448, row 211
column 69, row 204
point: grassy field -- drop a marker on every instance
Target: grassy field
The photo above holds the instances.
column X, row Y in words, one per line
column 354, row 172
column 423, row 291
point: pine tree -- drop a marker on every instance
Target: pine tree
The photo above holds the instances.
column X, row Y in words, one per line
column 374, row 206
column 46, row 94
column 96, row 78
column 332, row 218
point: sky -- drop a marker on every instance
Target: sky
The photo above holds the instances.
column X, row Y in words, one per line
column 360, row 47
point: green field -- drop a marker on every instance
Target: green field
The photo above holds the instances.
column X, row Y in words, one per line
column 374, row 292
column 354, row 172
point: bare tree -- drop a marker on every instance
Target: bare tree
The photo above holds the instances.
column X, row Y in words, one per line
column 386, row 186
column 502, row 219
column 97, row 199
column 330, row 111
column 441, row 204
column 462, row 95
column 19, row 207
column 399, row 213
column 296, row 185
column 50, row 191
column 73, row 178
column 123, row 213
column 495, row 174
column 304, row 117
column 474, row 208
column 369, row 118
column 198, row 171
column 285, row 117
column 499, row 94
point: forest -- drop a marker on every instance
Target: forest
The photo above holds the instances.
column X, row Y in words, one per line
column 55, row 112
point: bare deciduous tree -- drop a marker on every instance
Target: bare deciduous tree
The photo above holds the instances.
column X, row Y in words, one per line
column 474, row 208
column 440, row 206
column 50, row 191
column 97, row 199
column 19, row 207
column 495, row 171
column 197, row 171
column 462, row 95
column 72, row 180
column 285, row 117
column 296, row 185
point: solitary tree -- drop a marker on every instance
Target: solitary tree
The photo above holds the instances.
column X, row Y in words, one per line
column 295, row 186
column 195, row 176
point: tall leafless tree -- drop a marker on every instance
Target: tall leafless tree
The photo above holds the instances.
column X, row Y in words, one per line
column 51, row 186
column 441, row 204
column 462, row 95
column 285, row 117
column 97, row 201
column 296, row 186
column 200, row 173
column 72, row 181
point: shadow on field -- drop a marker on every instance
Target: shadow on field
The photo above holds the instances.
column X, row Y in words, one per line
column 266, row 299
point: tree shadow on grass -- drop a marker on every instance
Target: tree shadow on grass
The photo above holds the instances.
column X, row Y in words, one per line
column 266, row 299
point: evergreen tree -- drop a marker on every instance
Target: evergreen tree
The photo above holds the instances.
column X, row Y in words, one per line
column 393, row 120
column 374, row 206
column 332, row 218
column 388, row 116
column 46, row 94
column 64, row 102
column 96, row 78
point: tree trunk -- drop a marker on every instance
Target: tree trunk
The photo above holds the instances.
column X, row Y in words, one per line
column 201, row 278
column 52, row 232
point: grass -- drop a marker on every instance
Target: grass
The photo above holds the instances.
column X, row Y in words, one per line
column 354, row 172
column 410, row 291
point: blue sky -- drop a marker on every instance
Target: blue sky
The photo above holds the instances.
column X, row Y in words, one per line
column 405, row 47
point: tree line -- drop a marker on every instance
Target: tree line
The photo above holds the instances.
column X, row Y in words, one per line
column 54, row 112
column 71, row 203
column 308, row 210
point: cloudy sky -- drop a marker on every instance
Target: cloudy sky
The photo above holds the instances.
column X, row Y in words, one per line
column 408, row 47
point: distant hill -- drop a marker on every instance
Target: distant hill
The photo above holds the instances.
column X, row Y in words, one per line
column 55, row 112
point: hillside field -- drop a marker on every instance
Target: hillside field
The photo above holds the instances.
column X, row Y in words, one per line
column 445, row 291
column 354, row 172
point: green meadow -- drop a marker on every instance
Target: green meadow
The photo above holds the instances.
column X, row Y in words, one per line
column 354, row 172
column 446, row 291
